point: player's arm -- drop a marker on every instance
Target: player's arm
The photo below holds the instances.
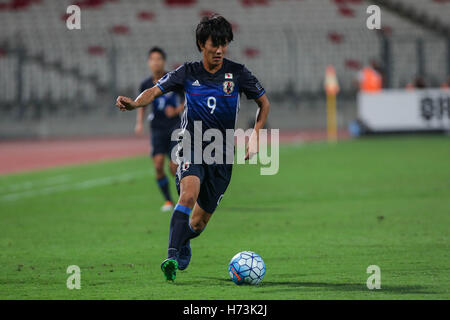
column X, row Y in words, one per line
column 254, row 90
column 139, row 128
column 171, row 81
column 145, row 98
column 140, row 114
column 261, row 118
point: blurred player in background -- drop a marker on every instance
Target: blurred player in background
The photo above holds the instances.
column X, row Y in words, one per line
column 213, row 87
column 163, row 119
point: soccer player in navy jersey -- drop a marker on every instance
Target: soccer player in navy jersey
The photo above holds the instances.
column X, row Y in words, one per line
column 212, row 88
column 164, row 119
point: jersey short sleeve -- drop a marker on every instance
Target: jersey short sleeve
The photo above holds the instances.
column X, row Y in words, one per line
column 173, row 81
column 250, row 85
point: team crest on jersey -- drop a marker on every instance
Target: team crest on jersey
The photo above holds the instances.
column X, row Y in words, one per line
column 228, row 87
column 185, row 166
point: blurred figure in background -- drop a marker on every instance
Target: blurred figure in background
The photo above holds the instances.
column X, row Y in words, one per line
column 446, row 84
column 370, row 78
column 417, row 83
column 163, row 119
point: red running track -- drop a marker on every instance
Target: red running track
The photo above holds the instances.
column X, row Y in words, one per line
column 27, row 155
column 17, row 156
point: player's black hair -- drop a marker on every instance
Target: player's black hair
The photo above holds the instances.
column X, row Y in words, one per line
column 159, row 50
column 215, row 26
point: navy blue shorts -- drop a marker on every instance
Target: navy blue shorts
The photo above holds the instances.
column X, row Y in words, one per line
column 160, row 141
column 214, row 180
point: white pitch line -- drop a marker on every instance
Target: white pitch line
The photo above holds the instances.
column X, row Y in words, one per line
column 74, row 186
column 30, row 184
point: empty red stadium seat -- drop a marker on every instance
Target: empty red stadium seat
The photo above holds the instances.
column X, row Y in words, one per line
column 251, row 3
column 206, row 13
column 353, row 64
column 146, row 15
column 251, row 52
column 92, row 4
column 346, row 11
column 65, row 16
column 17, row 4
column 180, row 2
column 344, row 2
column 335, row 37
column 386, row 30
column 96, row 50
column 120, row 29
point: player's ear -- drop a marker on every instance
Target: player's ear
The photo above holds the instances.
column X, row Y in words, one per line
column 201, row 46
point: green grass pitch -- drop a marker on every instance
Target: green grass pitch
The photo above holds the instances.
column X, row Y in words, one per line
column 330, row 212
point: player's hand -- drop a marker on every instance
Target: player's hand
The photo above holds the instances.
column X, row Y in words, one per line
column 170, row 112
column 125, row 103
column 252, row 146
column 138, row 129
column 249, row 153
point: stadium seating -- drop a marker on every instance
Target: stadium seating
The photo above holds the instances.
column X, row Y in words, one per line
column 286, row 43
column 439, row 9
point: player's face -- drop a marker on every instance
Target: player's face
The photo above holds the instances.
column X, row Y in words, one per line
column 213, row 55
column 156, row 62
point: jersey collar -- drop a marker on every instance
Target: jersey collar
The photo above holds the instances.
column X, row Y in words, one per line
column 213, row 75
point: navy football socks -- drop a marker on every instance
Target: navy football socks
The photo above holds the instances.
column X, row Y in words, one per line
column 180, row 230
column 163, row 184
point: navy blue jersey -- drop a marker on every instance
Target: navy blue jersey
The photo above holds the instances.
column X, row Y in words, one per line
column 212, row 99
column 158, row 118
